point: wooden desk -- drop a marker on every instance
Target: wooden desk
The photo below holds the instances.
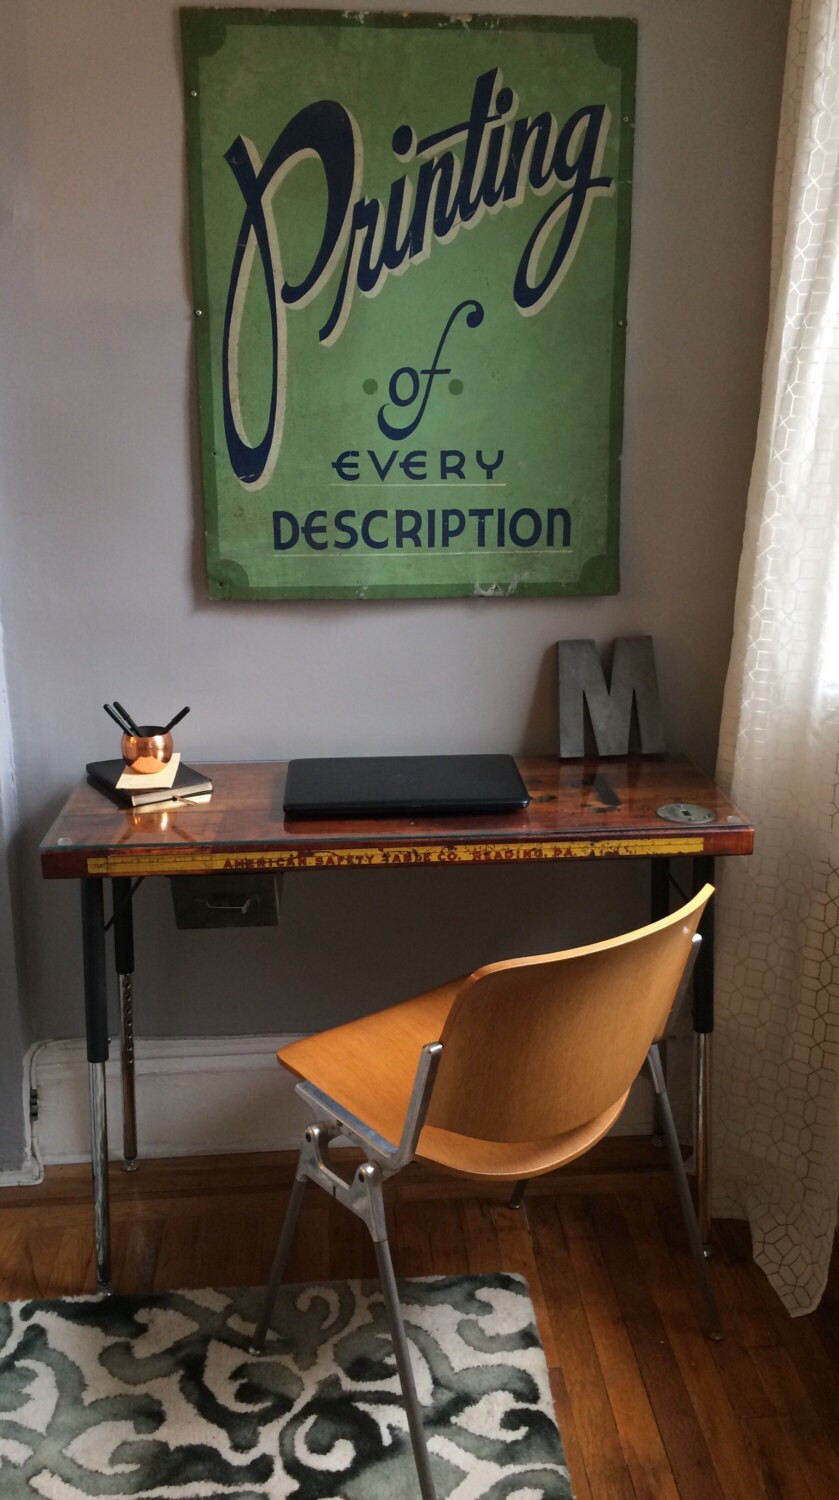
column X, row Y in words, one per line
column 578, row 810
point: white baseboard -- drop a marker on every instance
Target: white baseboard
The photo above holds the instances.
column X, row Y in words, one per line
column 31, row 1169
column 196, row 1096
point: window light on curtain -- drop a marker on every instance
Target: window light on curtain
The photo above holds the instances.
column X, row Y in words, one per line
column 776, row 1055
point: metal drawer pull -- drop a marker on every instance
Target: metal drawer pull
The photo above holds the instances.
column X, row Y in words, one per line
column 231, row 906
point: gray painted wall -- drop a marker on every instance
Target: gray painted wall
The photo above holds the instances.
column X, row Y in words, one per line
column 101, row 574
column 14, row 1036
column 15, row 1033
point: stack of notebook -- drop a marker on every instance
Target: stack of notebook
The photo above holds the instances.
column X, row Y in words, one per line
column 174, row 785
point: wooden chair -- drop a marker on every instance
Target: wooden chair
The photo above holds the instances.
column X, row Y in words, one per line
column 506, row 1074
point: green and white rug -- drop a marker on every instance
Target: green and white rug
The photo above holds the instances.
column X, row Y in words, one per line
column 159, row 1398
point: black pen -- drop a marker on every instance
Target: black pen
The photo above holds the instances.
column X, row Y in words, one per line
column 172, row 722
column 132, row 729
column 122, row 723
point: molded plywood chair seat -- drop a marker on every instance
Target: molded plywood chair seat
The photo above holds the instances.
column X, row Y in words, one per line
column 506, row 1074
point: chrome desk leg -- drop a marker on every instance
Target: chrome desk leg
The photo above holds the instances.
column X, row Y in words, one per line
column 99, row 1157
column 703, row 1025
column 96, row 1021
column 129, row 1107
column 659, row 907
column 124, row 959
column 703, row 1115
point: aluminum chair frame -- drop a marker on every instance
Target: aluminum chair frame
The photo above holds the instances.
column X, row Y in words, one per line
column 362, row 1195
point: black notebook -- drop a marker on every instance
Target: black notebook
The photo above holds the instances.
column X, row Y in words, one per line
column 104, row 774
column 385, row 786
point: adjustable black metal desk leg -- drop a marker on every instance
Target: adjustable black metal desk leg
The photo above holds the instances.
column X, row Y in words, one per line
column 659, row 907
column 659, row 888
column 124, row 960
column 703, row 1025
column 96, row 1021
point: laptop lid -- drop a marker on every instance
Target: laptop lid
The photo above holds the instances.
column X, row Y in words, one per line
column 382, row 786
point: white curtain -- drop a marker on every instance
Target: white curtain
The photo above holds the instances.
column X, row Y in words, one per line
column 776, row 1048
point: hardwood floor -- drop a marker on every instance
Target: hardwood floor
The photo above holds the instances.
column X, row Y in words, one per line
column 648, row 1408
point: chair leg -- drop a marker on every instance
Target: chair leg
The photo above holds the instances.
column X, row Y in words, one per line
column 516, row 1197
column 671, row 1140
column 363, row 1197
column 280, row 1259
column 657, row 1138
column 406, row 1374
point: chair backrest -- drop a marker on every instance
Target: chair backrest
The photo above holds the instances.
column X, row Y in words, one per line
column 533, row 1047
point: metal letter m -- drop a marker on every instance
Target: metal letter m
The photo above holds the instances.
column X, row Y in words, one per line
column 582, row 685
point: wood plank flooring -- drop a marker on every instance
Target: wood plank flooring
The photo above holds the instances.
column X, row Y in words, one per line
column 648, row 1408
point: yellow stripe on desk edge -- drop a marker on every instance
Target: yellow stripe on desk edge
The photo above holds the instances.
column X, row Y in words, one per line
column 182, row 861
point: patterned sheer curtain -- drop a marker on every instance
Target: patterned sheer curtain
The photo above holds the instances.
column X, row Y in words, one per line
column 776, row 1054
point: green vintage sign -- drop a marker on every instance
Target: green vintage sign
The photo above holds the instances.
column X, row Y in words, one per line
column 410, row 241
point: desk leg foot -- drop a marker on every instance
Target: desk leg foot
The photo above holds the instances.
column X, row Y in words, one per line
column 99, row 1163
column 516, row 1197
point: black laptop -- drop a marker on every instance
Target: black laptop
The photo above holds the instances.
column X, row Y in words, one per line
column 394, row 786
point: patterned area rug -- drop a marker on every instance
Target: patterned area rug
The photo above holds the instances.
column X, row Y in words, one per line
column 159, row 1398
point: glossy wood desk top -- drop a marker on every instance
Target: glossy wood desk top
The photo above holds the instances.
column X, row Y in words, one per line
column 578, row 809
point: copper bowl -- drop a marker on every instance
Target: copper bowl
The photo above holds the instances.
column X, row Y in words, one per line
column 147, row 751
